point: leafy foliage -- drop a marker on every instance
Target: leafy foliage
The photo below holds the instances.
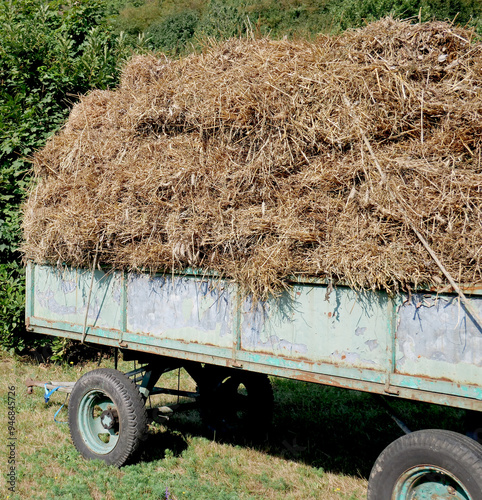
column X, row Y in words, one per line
column 349, row 13
column 174, row 32
column 222, row 20
column 12, row 296
column 167, row 20
column 49, row 53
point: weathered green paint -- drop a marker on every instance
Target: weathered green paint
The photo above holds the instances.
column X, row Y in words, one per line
column 100, row 440
column 429, row 483
column 360, row 340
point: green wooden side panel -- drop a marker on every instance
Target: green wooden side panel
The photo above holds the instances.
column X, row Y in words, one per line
column 343, row 327
column 423, row 347
column 61, row 295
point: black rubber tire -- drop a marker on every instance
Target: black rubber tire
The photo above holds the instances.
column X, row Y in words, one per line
column 458, row 455
column 235, row 402
column 130, row 429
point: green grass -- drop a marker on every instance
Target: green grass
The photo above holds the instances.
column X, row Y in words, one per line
column 322, row 444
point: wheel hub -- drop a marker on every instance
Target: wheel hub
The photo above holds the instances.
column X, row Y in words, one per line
column 109, row 418
column 430, row 483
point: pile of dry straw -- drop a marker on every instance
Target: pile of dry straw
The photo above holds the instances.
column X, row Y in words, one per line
column 262, row 159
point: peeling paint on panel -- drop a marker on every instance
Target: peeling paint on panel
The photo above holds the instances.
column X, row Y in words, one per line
column 47, row 299
column 350, row 358
column 360, row 331
column 181, row 308
column 68, row 286
column 436, row 332
column 62, row 295
column 255, row 316
column 306, row 326
column 116, row 294
column 273, row 343
column 372, row 344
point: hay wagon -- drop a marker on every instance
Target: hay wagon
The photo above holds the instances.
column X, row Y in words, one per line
column 424, row 347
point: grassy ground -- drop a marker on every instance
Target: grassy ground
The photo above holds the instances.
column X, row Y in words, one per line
column 322, row 445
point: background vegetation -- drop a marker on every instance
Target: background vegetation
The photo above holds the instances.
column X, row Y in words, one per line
column 49, row 53
column 179, row 26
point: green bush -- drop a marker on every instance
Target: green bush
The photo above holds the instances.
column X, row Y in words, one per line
column 169, row 23
column 173, row 33
column 135, row 19
column 350, row 13
column 222, row 20
column 12, row 300
column 290, row 17
column 50, row 52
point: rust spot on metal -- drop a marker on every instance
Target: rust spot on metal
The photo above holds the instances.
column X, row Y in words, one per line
column 466, row 288
column 190, row 342
column 392, row 392
column 113, row 330
column 233, row 364
column 427, row 378
column 30, row 383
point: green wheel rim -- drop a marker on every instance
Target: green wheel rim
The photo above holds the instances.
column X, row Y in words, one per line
column 99, row 439
column 428, row 482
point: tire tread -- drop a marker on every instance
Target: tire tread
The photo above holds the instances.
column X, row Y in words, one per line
column 448, row 447
column 134, row 429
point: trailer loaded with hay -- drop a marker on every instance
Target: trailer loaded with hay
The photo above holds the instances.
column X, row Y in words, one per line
column 309, row 210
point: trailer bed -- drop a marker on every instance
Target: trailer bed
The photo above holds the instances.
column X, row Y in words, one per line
column 424, row 347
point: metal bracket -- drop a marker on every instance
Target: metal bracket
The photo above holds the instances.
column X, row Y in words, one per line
column 388, row 388
column 144, row 391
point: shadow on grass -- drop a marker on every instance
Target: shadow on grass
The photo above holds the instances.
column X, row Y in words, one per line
column 161, row 443
column 338, row 430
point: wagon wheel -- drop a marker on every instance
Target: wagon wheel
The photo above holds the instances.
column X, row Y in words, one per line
column 234, row 402
column 107, row 416
column 433, row 464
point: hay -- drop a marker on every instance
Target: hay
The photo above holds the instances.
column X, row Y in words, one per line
column 265, row 159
